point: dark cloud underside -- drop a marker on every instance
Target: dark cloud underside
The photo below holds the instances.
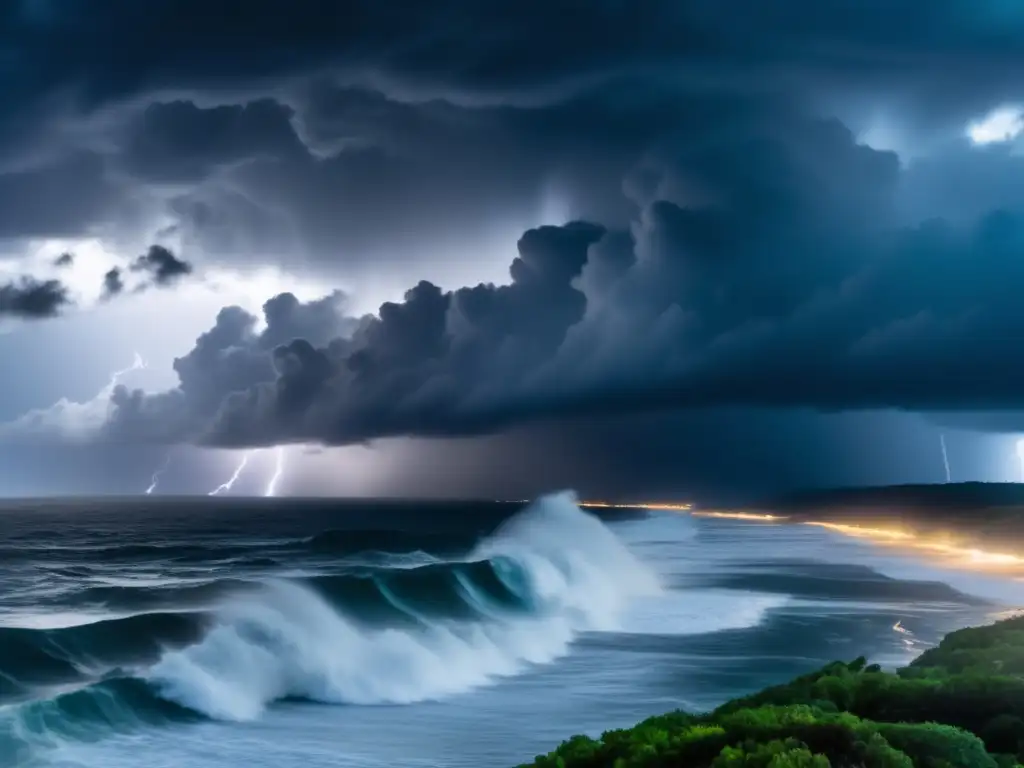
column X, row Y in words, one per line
column 31, row 299
column 732, row 243
column 767, row 268
column 355, row 132
column 162, row 265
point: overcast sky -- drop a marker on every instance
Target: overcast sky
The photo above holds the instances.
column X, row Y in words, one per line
column 449, row 248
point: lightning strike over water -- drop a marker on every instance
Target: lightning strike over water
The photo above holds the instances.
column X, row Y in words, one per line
column 1020, row 455
column 278, row 471
column 227, row 486
column 156, row 475
column 945, row 458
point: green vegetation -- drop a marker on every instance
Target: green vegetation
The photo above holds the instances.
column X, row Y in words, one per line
column 958, row 705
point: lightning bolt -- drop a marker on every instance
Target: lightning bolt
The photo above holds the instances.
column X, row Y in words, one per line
column 156, row 475
column 138, row 364
column 225, row 487
column 278, row 471
column 945, row 458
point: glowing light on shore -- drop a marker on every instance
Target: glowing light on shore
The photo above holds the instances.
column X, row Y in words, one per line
column 864, row 532
column 653, row 505
column 964, row 556
column 751, row 516
column 959, row 555
column 664, row 506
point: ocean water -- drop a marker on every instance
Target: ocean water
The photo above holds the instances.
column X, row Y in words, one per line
column 282, row 633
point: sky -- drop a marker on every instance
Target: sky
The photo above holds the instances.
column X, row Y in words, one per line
column 670, row 248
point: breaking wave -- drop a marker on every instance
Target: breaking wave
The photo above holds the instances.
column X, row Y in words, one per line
column 362, row 636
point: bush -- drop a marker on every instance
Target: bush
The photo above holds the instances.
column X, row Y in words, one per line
column 1004, row 734
column 931, row 745
column 959, row 705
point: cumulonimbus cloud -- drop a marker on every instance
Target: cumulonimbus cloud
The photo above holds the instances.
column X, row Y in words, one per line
column 758, row 257
column 788, row 282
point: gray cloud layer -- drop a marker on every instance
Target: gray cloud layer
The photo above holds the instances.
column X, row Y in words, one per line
column 28, row 298
column 731, row 246
column 767, row 268
column 362, row 132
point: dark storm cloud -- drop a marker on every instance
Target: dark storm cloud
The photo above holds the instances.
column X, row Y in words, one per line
column 113, row 283
column 743, row 253
column 178, row 142
column 162, row 266
column 712, row 456
column 31, row 299
column 767, row 269
column 229, row 358
column 62, row 197
column 373, row 180
column 350, row 132
column 962, row 183
column 1006, row 421
column 469, row 45
column 158, row 265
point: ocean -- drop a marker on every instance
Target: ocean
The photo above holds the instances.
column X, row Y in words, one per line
column 280, row 632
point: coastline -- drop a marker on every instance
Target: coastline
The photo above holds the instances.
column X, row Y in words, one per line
column 957, row 705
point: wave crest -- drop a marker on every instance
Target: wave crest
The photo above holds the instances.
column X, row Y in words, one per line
column 568, row 572
column 414, row 629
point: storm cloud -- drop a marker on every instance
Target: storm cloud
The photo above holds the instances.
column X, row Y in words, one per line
column 363, row 137
column 732, row 204
column 113, row 284
column 30, row 299
column 162, row 266
column 767, row 268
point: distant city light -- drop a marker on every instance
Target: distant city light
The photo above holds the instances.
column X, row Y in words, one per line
column 753, row 516
column 956, row 554
column 667, row 506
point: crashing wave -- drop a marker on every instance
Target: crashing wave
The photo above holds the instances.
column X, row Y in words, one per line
column 376, row 636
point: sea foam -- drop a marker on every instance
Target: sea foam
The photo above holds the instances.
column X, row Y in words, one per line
column 287, row 640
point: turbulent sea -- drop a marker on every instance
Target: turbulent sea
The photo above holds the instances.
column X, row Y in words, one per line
column 283, row 633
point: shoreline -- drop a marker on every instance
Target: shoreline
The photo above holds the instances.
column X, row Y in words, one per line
column 959, row 704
